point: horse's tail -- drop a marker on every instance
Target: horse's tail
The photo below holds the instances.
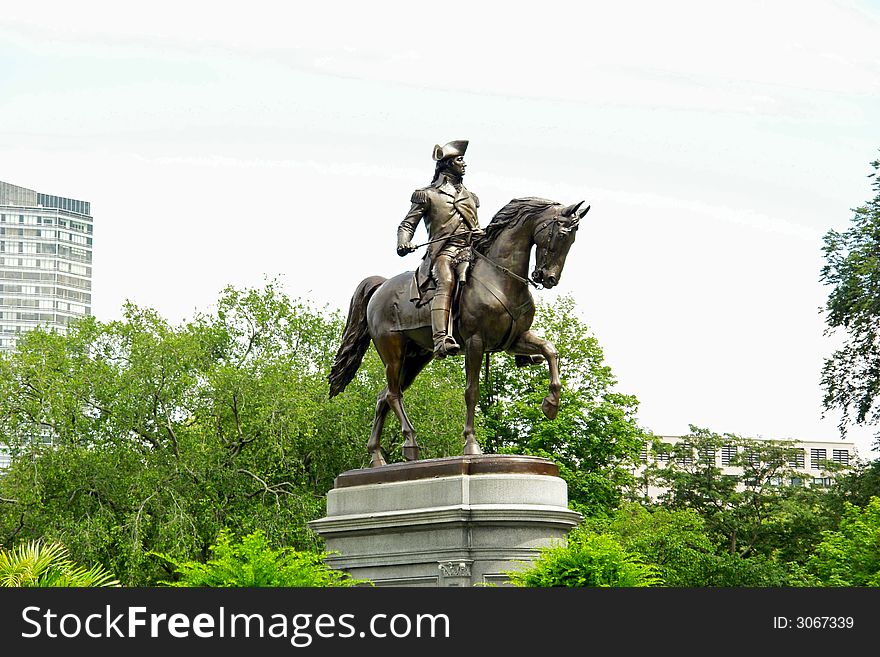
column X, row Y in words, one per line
column 355, row 337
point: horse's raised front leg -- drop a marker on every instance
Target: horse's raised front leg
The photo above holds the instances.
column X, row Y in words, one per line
column 528, row 344
column 472, row 359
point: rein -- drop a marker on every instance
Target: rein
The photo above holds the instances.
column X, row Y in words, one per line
column 528, row 280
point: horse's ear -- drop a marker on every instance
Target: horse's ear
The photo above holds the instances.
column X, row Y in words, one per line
column 571, row 209
column 584, row 212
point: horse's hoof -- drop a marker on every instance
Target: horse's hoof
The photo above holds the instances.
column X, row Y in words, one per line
column 411, row 452
column 377, row 460
column 550, row 408
column 471, row 448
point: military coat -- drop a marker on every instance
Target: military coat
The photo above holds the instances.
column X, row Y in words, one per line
column 448, row 213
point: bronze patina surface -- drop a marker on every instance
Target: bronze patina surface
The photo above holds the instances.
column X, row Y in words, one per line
column 449, row 212
column 448, row 467
column 475, row 282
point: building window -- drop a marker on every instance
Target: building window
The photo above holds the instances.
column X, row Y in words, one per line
column 662, row 457
column 797, row 481
column 643, row 455
column 840, row 456
column 818, row 457
column 686, row 455
column 796, row 458
column 728, row 454
column 708, row 454
column 752, row 458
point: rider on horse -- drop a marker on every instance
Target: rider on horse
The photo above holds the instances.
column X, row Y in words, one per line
column 449, row 211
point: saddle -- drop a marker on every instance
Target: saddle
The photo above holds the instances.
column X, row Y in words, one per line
column 407, row 315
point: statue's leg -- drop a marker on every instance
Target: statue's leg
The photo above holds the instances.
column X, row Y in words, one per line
column 395, row 400
column 413, row 363
column 529, row 344
column 392, row 348
column 441, row 308
column 473, row 358
column 373, row 445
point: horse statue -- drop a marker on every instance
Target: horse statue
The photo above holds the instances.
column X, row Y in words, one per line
column 494, row 313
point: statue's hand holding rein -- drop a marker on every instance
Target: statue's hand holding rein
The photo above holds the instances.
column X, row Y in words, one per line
column 405, row 249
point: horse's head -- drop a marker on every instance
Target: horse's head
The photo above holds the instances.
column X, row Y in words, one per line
column 553, row 238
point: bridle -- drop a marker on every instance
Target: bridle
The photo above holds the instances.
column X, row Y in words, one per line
column 549, row 248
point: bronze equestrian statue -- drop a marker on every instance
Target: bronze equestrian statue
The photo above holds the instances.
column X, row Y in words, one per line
column 494, row 309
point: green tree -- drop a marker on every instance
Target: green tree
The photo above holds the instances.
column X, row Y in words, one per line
column 675, row 541
column 163, row 435
column 595, row 438
column 851, row 375
column 742, row 507
column 856, row 486
column 849, row 555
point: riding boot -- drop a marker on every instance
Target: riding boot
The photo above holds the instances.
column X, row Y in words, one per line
column 444, row 344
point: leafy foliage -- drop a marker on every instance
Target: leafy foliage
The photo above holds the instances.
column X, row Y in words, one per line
column 674, row 541
column 749, row 513
column 595, row 560
column 162, row 435
column 47, row 564
column 851, row 375
column 677, row 544
column 854, row 487
column 849, row 555
column 252, row 562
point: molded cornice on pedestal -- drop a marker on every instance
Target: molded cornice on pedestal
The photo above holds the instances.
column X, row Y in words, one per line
column 447, row 467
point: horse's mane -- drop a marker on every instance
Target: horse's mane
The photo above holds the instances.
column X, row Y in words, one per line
column 510, row 216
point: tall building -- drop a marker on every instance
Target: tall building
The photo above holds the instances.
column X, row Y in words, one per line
column 45, row 261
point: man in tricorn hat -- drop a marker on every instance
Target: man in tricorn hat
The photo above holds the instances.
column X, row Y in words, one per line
column 450, row 214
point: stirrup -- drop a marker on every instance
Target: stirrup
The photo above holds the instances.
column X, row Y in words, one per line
column 446, row 346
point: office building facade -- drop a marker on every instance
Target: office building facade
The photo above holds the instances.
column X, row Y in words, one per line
column 809, row 463
column 45, row 261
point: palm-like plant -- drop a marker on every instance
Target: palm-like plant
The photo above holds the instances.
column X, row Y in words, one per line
column 38, row 563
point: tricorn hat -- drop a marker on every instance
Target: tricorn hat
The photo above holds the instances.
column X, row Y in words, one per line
column 452, row 149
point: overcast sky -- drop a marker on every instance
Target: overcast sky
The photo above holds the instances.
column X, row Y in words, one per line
column 224, row 143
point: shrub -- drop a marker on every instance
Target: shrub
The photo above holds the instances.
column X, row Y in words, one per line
column 40, row 564
column 587, row 560
column 252, row 562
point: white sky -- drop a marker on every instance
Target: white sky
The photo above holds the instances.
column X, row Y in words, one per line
column 223, row 143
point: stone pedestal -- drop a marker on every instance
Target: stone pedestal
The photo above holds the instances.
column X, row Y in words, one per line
column 457, row 521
